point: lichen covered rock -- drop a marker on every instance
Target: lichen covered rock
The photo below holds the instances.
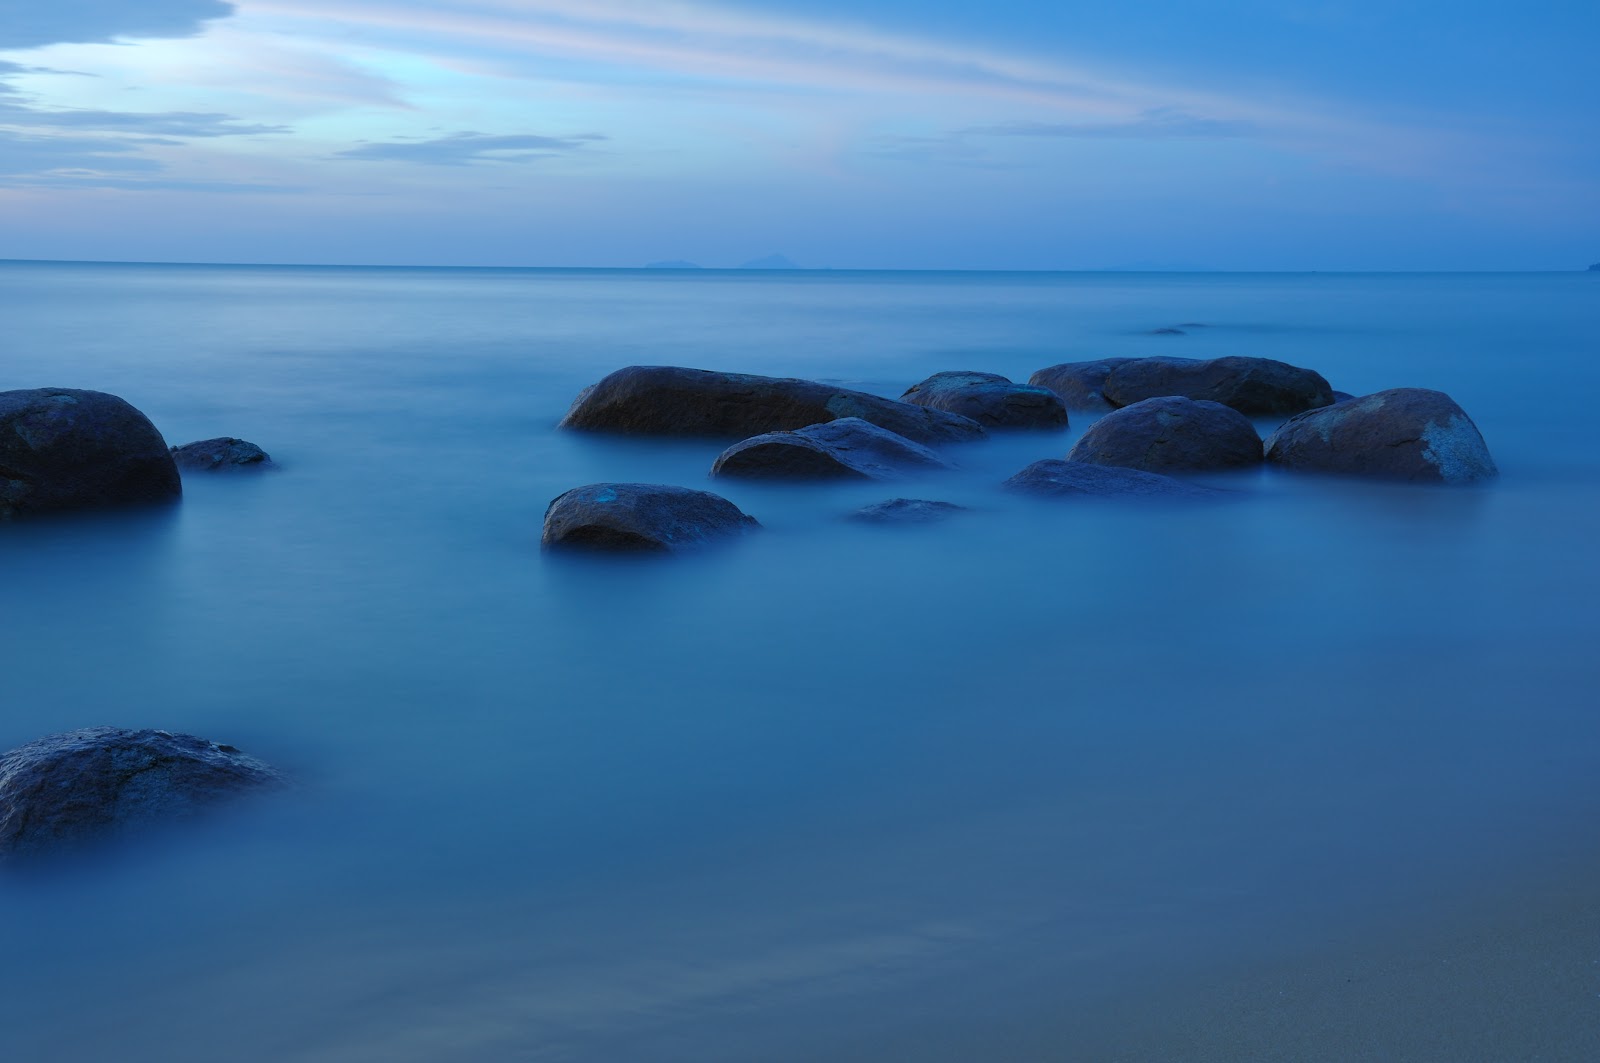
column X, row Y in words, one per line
column 1410, row 434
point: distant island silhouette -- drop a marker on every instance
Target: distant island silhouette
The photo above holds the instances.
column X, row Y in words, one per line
column 1595, row 268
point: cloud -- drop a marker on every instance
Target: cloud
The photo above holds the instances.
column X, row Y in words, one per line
column 464, row 149
column 25, row 154
column 36, row 23
column 159, row 123
column 1156, row 123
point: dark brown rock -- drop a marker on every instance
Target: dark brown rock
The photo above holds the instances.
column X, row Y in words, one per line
column 848, row 448
column 1170, row 433
column 640, row 517
column 1250, row 385
column 64, row 449
column 990, row 399
column 1078, row 383
column 221, row 454
column 1410, row 434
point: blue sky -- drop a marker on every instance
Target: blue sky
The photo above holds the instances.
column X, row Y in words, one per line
column 1252, row 134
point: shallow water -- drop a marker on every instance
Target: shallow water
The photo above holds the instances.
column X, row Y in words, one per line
column 835, row 791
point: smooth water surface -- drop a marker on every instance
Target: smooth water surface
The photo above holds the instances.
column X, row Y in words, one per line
column 835, row 791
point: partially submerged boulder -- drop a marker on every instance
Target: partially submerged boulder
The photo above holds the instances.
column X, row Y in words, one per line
column 1079, row 384
column 64, row 449
column 220, row 454
column 907, row 511
column 670, row 400
column 848, row 448
column 1250, row 385
column 1408, row 434
column 990, row 399
column 63, row 791
column 1054, row 478
column 1169, row 433
column 640, row 517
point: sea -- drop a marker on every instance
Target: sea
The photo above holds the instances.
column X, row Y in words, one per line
column 833, row 790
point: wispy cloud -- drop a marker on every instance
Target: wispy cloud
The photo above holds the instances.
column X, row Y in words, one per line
column 1157, row 123
column 36, row 23
column 22, row 154
column 464, row 149
column 161, row 123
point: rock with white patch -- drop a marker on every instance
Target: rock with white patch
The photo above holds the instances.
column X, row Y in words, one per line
column 1410, row 434
column 848, row 448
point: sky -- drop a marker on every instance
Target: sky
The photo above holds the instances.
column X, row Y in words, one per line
column 874, row 134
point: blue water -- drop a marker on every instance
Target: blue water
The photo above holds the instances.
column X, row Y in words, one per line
column 836, row 791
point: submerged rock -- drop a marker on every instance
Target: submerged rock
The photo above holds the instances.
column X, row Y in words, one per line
column 669, row 400
column 64, row 449
column 990, row 399
column 640, row 517
column 1408, row 434
column 65, row 790
column 844, row 449
column 1249, row 385
column 222, row 453
column 1170, row 433
column 907, row 511
column 1079, row 384
column 1053, row 477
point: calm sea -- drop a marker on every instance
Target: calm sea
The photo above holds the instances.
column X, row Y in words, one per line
column 834, row 791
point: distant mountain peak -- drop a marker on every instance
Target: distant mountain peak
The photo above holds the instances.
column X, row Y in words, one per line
column 771, row 262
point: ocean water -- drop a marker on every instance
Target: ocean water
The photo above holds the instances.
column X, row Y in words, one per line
column 834, row 791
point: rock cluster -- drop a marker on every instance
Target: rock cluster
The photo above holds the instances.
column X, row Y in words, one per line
column 990, row 399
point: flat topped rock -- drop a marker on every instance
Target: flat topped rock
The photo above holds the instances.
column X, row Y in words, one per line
column 1170, row 433
column 63, row 791
column 1054, row 478
column 671, row 400
column 1079, row 384
column 64, row 449
column 1410, row 434
column 1250, row 385
column 219, row 455
column 990, row 399
column 848, row 448
column 907, row 511
column 640, row 517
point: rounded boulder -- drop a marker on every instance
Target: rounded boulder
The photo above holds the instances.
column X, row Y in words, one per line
column 990, row 399
column 640, row 517
column 848, row 448
column 1170, row 434
column 1255, row 386
column 220, row 455
column 64, row 449
column 1410, row 434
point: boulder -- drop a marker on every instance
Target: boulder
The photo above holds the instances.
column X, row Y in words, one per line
column 668, row 400
column 1168, row 433
column 990, row 399
column 848, row 448
column 1055, row 478
column 220, row 454
column 1249, row 385
column 1079, row 384
column 907, row 511
column 64, row 449
column 62, row 791
column 1401, row 434
column 640, row 517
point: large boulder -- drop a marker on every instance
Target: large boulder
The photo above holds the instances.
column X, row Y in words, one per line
column 848, row 448
column 1054, row 478
column 640, row 517
column 222, row 454
column 1401, row 434
column 907, row 511
column 990, row 399
column 62, row 791
column 1256, row 386
column 1079, row 384
column 65, row 449
column 1169, row 433
column 669, row 400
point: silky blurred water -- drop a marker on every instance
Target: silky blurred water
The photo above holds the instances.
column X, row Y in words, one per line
column 835, row 791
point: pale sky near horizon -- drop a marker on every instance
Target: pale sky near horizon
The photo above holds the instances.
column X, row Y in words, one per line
column 1242, row 134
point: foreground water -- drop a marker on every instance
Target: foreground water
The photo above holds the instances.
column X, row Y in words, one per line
column 834, row 792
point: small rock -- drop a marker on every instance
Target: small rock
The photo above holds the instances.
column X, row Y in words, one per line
column 640, row 517
column 1079, row 383
column 1170, row 433
column 222, row 453
column 844, row 449
column 907, row 511
column 1408, row 434
column 1053, row 477
column 65, row 449
column 1167, row 331
column 1249, row 385
column 990, row 399
column 65, row 790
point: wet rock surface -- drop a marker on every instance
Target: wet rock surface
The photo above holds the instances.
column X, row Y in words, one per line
column 848, row 448
column 990, row 399
column 1170, row 434
column 671, row 400
column 1410, row 434
column 221, row 454
column 1079, row 384
column 640, row 518
column 64, row 449
column 1255, row 386
column 1053, row 477
column 68, row 790
column 907, row 511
